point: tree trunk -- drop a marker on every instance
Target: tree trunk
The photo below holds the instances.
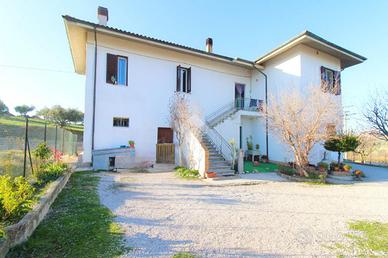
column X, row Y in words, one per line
column 339, row 158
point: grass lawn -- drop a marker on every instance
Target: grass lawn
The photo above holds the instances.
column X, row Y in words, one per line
column 262, row 167
column 77, row 226
column 21, row 121
column 368, row 239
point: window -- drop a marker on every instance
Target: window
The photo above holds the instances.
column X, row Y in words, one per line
column 117, row 69
column 330, row 81
column 183, row 79
column 120, row 122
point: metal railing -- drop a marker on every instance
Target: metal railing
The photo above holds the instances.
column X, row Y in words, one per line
column 247, row 104
column 221, row 145
column 218, row 141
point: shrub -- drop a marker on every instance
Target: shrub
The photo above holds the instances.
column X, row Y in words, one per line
column 323, row 165
column 287, row 170
column 16, row 196
column 42, row 152
column 187, row 173
column 347, row 167
column 49, row 172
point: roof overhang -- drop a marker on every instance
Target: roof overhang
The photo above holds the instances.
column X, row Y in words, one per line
column 77, row 35
column 347, row 58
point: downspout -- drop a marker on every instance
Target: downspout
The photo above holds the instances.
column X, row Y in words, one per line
column 94, row 89
column 266, row 108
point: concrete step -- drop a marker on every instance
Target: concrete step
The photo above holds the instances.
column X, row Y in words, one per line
column 217, row 167
column 218, row 162
column 223, row 172
column 216, row 159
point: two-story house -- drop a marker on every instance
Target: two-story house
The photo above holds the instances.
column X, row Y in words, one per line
column 130, row 79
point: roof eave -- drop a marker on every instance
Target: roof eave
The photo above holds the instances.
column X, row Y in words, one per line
column 119, row 33
column 352, row 58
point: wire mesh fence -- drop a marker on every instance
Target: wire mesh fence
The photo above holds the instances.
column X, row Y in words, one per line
column 18, row 139
column 378, row 157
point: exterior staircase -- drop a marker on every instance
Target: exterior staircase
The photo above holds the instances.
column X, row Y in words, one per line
column 220, row 150
column 217, row 163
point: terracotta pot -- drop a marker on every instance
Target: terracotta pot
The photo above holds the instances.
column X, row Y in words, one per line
column 132, row 145
column 322, row 169
column 211, row 174
column 256, row 163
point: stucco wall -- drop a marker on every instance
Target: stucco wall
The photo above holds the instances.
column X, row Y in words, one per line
column 297, row 67
column 151, row 83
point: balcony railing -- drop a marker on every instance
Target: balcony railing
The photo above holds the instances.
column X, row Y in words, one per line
column 256, row 105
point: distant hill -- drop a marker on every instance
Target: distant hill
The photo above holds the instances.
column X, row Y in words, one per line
column 21, row 121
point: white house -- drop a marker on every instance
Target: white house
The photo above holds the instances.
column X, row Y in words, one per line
column 130, row 79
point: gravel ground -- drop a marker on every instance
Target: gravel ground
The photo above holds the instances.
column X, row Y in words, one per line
column 162, row 215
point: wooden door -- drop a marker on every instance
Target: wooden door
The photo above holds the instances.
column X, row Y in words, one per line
column 165, row 149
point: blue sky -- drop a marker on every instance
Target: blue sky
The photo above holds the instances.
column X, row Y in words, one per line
column 33, row 36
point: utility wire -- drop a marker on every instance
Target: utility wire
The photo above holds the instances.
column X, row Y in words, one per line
column 35, row 68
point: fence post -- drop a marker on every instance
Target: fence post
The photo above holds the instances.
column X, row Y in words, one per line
column 63, row 140
column 45, row 132
column 56, row 134
column 25, row 148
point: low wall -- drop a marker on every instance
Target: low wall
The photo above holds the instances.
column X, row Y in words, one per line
column 21, row 231
column 298, row 179
column 195, row 154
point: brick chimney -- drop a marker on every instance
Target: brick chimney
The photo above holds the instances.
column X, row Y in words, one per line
column 209, row 45
column 102, row 15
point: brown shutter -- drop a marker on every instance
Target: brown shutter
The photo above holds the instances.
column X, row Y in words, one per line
column 337, row 82
column 111, row 68
column 324, row 83
column 189, row 80
column 178, row 78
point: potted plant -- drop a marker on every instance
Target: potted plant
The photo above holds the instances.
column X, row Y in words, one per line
column 256, row 164
column 257, row 146
column 249, row 143
column 210, row 174
column 347, row 168
column 131, row 144
column 264, row 158
column 358, row 174
column 322, row 166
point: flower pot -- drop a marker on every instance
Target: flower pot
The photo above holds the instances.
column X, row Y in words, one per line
column 256, row 163
column 322, row 169
column 210, row 174
column 132, row 145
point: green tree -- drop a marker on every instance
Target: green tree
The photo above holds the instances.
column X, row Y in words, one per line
column 59, row 116
column 342, row 143
column 24, row 109
column 3, row 107
column 44, row 113
column 74, row 115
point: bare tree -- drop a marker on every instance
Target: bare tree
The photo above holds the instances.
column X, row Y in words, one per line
column 377, row 115
column 182, row 120
column 300, row 118
column 368, row 144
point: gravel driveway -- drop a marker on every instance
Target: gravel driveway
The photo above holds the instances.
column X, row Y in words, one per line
column 162, row 215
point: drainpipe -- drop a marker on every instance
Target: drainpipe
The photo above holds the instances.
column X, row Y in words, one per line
column 94, row 89
column 266, row 109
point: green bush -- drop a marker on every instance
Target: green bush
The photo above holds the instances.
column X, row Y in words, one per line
column 49, row 172
column 42, row 151
column 186, row 173
column 287, row 170
column 323, row 165
column 16, row 196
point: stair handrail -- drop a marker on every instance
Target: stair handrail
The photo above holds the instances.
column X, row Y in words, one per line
column 219, row 142
column 235, row 105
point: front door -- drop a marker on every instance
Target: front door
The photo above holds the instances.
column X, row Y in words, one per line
column 239, row 94
column 165, row 146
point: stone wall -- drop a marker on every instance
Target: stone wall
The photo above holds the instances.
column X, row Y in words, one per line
column 21, row 231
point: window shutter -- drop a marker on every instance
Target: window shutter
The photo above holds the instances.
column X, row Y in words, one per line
column 189, row 80
column 337, row 82
column 111, row 68
column 178, row 78
column 324, row 83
